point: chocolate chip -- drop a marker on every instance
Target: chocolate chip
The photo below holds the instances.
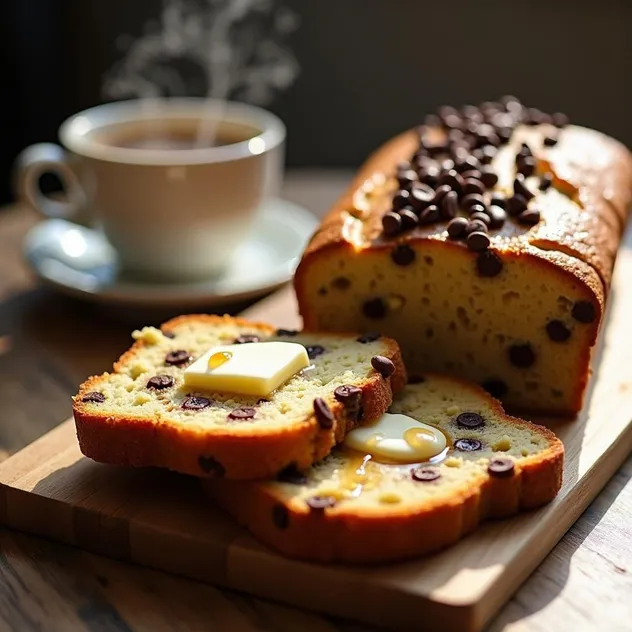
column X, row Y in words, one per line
column 468, row 445
column 488, row 264
column 498, row 200
column 521, row 355
column 487, row 153
column 169, row 334
column 440, row 193
column 210, row 465
column 516, row 205
column 525, row 165
column 401, row 199
column 449, row 205
column 471, row 421
column 409, row 218
column 501, row 467
column 383, row 366
column 471, row 186
column 475, row 225
column 320, row 503
column 477, row 208
column 471, row 199
column 550, row 141
column 160, row 382
column 368, row 337
column 348, row 395
column 291, row 475
column 504, row 133
column 421, row 195
column 546, row 182
column 559, row 120
column 496, row 388
column 520, row 188
column 195, row 403
column 480, row 217
column 558, row 331
column 391, row 223
column 416, row 379
column 453, row 179
column 324, row 416
column 403, row 255
column 245, row 339
column 429, row 175
column 472, row 174
column 425, row 474
column 429, row 215
column 524, row 150
column 406, row 178
column 531, row 217
column 242, row 414
column 178, row 358
column 496, row 216
column 478, row 241
column 584, row 312
column 287, row 332
column 280, row 517
column 374, row 308
column 341, row 283
column 93, row 397
column 456, row 228
column 467, row 163
column 489, row 177
column 314, row 351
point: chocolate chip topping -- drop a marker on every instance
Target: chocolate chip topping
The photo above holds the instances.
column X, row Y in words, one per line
column 291, row 475
column 470, row 421
column 212, row 466
column 287, row 332
column 383, row 366
column 425, row 474
column 478, row 241
column 550, row 141
column 280, row 517
column 409, row 218
column 314, row 351
column 558, row 331
column 403, row 255
column 320, row 503
column 468, row 445
column 349, row 395
column 391, row 224
column 488, row 264
column 160, row 382
column 496, row 388
column 456, row 228
column 525, row 165
column 401, row 199
column 324, row 416
column 178, row 358
column 242, row 414
column 584, row 312
column 522, row 355
column 193, row 402
column 374, row 308
column 516, row 205
column 501, row 467
column 546, row 182
column 421, row 196
column 497, row 217
column 520, row 188
column 449, row 205
column 246, row 338
column 370, row 336
column 94, row 397
column 489, row 177
column 530, row 217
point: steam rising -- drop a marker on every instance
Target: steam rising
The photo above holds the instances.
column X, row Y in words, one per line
column 222, row 49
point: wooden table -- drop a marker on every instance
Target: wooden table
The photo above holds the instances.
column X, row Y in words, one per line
column 48, row 344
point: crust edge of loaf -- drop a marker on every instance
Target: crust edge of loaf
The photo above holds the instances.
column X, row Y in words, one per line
column 141, row 441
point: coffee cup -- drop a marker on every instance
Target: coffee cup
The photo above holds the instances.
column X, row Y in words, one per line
column 174, row 184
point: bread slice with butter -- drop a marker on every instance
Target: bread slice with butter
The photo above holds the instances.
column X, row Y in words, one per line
column 357, row 508
column 218, row 396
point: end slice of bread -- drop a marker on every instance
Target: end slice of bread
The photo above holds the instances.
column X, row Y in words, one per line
column 142, row 414
column 350, row 508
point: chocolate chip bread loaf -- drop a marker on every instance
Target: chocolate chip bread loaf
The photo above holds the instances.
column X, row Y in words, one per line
column 143, row 414
column 483, row 242
column 350, row 508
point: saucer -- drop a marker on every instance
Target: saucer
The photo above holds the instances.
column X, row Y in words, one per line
column 79, row 262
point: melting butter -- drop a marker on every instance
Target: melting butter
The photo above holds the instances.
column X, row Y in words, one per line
column 398, row 438
column 256, row 368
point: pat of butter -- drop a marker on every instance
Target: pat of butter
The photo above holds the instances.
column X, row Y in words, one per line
column 254, row 368
column 398, row 438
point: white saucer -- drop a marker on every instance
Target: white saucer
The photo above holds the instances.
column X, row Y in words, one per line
column 79, row 262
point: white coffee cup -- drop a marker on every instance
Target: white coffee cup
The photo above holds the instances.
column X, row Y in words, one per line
column 172, row 208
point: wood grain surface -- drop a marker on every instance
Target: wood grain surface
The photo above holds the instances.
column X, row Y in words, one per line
column 48, row 344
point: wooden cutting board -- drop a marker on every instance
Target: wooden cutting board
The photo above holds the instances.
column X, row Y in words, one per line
column 162, row 520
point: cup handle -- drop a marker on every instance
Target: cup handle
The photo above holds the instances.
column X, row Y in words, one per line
column 34, row 162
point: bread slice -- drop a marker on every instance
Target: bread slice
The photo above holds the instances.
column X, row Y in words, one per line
column 129, row 418
column 363, row 511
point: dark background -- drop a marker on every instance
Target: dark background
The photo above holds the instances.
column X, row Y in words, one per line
column 369, row 68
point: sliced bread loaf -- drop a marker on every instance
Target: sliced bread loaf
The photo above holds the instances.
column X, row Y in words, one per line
column 350, row 508
column 142, row 414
